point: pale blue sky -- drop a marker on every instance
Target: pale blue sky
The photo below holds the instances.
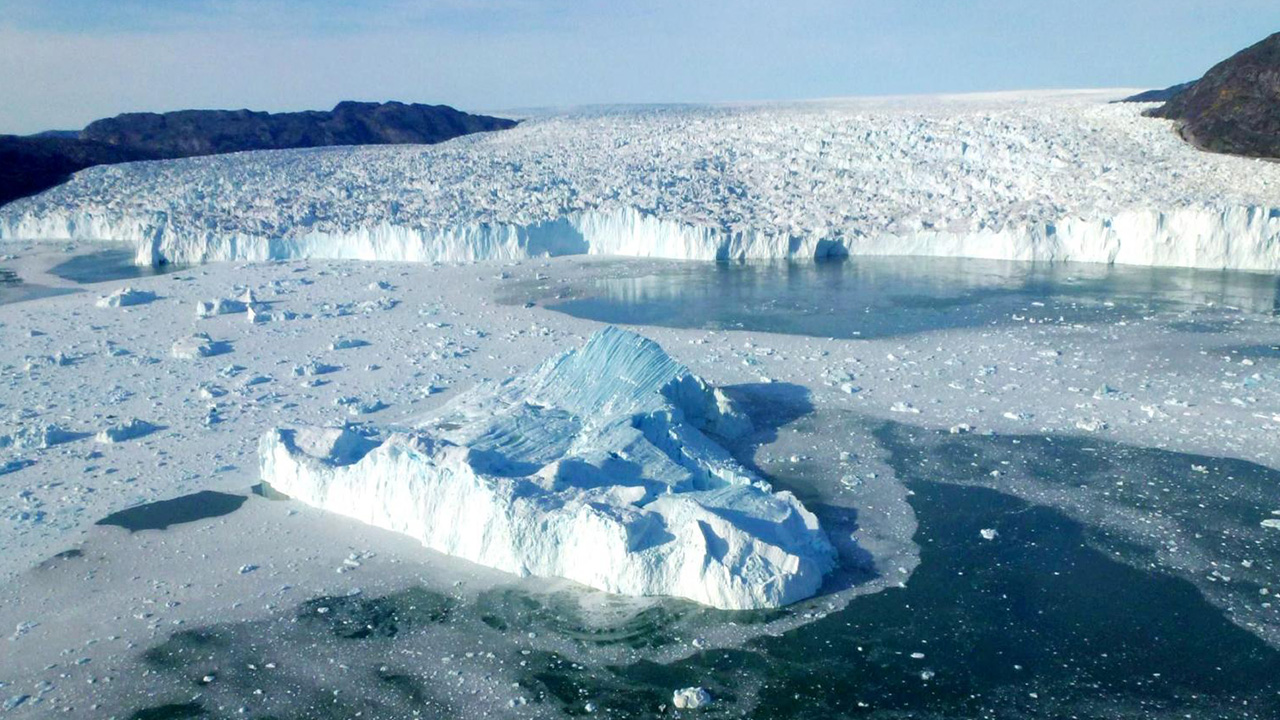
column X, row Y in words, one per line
column 66, row 62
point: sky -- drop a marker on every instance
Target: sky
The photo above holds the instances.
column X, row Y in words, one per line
column 64, row 63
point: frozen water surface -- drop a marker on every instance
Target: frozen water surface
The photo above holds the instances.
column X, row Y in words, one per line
column 1048, row 488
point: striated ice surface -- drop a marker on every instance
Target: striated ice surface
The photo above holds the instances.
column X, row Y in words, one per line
column 600, row 466
column 1029, row 176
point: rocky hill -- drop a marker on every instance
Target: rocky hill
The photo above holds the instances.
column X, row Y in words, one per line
column 209, row 132
column 1235, row 107
column 35, row 163
column 29, row 165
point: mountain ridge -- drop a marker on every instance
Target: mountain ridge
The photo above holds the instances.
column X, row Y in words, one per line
column 34, row 163
column 1235, row 107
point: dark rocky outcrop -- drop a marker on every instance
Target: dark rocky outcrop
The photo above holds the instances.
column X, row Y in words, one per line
column 1235, row 107
column 208, row 132
column 29, row 165
column 34, row 163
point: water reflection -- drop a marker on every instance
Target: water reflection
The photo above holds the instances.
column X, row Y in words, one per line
column 103, row 265
column 882, row 297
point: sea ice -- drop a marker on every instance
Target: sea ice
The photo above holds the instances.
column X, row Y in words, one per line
column 601, row 466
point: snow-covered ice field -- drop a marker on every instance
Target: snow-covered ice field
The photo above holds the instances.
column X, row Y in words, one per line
column 1025, row 176
column 1035, row 478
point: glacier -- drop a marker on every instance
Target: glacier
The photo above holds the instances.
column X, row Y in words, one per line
column 603, row 465
column 1061, row 176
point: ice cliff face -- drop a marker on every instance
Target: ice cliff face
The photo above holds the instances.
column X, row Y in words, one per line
column 600, row 466
column 1026, row 177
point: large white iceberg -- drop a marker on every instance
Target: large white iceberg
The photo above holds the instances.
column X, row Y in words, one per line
column 600, row 466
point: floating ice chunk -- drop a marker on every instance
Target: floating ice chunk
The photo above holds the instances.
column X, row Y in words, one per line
column 38, row 437
column 988, row 533
column 313, row 367
column 209, row 391
column 600, row 466
column 904, row 407
column 691, row 698
column 129, row 430
column 1273, row 523
column 125, row 297
column 356, row 406
column 347, row 343
column 221, row 306
column 197, row 346
column 1091, row 424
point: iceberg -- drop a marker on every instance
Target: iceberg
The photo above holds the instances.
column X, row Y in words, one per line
column 603, row 466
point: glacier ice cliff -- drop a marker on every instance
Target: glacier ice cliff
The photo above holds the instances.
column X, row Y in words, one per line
column 602, row 466
column 1044, row 177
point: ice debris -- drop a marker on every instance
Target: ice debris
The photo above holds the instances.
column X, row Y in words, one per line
column 128, row 430
column 691, row 698
column 197, row 346
column 125, row 297
column 221, row 306
column 37, row 437
column 347, row 343
column 600, row 466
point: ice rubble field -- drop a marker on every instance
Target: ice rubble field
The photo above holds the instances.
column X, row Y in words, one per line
column 389, row 344
column 1029, row 176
